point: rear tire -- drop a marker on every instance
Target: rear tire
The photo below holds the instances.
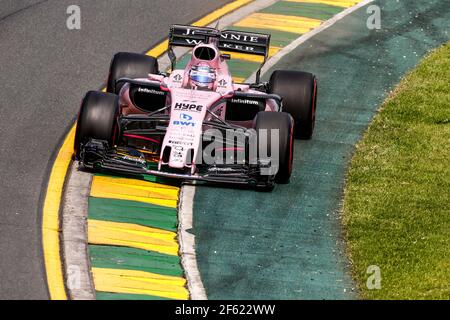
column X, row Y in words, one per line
column 299, row 92
column 283, row 122
column 97, row 119
column 129, row 65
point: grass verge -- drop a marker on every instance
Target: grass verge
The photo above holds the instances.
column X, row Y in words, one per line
column 396, row 209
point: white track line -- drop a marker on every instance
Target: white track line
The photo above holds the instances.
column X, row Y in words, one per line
column 293, row 45
column 187, row 243
column 187, row 193
column 79, row 283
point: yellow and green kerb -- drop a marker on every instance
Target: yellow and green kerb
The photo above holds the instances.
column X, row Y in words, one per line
column 132, row 235
column 285, row 21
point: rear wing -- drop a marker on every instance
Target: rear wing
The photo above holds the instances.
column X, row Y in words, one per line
column 229, row 40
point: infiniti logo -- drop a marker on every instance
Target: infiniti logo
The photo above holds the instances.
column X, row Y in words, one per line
column 152, row 91
column 245, row 101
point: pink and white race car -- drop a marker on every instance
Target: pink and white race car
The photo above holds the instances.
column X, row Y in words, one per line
column 196, row 123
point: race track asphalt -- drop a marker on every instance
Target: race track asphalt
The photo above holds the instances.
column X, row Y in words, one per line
column 45, row 69
column 288, row 244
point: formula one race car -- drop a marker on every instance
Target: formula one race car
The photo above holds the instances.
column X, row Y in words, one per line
column 196, row 123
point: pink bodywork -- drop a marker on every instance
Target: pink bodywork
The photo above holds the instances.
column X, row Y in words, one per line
column 184, row 131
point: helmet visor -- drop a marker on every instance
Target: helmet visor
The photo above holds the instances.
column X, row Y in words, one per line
column 203, row 75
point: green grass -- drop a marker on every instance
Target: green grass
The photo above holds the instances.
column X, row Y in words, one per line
column 397, row 197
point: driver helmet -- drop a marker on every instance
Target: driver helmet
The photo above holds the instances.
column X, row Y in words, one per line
column 202, row 76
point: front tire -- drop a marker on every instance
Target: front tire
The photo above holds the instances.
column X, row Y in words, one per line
column 283, row 122
column 129, row 65
column 97, row 119
column 299, row 93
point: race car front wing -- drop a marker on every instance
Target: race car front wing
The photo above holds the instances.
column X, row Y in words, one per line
column 99, row 156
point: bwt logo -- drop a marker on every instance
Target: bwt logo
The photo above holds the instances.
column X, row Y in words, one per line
column 188, row 106
column 184, row 123
column 185, row 116
column 185, row 120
